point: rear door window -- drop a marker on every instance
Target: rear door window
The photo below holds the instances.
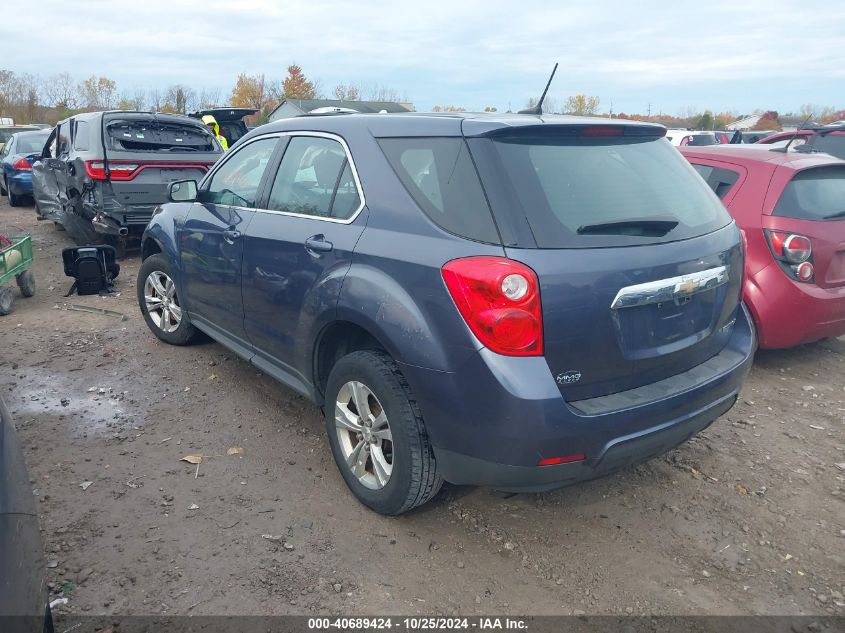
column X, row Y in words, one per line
column 236, row 182
column 315, row 178
column 80, row 136
column 814, row 194
column 441, row 178
column 579, row 192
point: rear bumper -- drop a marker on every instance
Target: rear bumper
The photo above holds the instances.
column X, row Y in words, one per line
column 492, row 421
column 621, row 454
column 20, row 183
column 789, row 313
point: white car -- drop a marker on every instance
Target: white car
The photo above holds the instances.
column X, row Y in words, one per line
column 690, row 137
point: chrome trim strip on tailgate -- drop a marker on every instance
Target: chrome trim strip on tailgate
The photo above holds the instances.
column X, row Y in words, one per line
column 671, row 288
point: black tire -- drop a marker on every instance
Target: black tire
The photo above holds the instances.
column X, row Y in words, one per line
column 184, row 333
column 14, row 199
column 7, row 301
column 26, row 282
column 414, row 479
column 3, row 187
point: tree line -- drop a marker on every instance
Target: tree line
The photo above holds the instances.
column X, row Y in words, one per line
column 28, row 98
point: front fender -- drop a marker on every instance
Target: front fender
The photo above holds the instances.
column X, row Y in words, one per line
column 423, row 330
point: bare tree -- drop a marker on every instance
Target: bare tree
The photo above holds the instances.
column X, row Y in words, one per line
column 209, row 98
column 60, row 91
column 179, row 98
column 348, row 92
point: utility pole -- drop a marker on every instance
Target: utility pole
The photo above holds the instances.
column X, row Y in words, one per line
column 649, row 109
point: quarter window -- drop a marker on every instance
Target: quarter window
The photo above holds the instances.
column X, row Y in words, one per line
column 720, row 180
column 236, row 182
column 315, row 178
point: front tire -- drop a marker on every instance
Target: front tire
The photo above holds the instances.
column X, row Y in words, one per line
column 158, row 298
column 377, row 434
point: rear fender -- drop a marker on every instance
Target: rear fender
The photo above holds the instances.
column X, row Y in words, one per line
column 376, row 302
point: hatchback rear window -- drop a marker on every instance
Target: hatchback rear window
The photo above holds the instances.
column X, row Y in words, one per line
column 140, row 135
column 440, row 176
column 814, row 194
column 607, row 191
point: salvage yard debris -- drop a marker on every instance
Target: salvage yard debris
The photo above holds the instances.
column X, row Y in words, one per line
column 93, row 310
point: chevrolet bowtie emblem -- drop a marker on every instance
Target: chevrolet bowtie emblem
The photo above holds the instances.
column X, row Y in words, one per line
column 686, row 287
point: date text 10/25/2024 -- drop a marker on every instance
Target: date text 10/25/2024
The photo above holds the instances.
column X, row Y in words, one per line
column 417, row 623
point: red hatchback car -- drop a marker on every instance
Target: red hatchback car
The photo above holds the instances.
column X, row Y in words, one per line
column 791, row 208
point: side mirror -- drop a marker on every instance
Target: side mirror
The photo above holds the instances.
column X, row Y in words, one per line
column 183, row 191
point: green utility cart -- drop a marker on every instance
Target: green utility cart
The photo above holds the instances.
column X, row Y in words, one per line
column 15, row 261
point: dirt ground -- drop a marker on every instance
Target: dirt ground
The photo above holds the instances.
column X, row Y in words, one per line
column 747, row 518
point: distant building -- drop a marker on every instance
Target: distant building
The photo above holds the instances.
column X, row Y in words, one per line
column 297, row 107
column 745, row 124
column 787, row 122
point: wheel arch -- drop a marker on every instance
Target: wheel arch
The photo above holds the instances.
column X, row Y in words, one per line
column 336, row 340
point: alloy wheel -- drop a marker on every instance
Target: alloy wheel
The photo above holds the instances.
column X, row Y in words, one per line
column 161, row 301
column 364, row 435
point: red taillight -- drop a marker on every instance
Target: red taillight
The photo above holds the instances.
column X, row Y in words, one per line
column 96, row 170
column 499, row 299
column 22, row 164
column 794, row 253
column 566, row 459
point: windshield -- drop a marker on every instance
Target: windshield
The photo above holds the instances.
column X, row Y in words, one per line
column 31, row 144
column 588, row 192
column 833, row 143
column 814, row 194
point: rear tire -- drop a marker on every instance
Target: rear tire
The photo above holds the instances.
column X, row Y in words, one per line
column 3, row 187
column 14, row 199
column 26, row 282
column 7, row 301
column 383, row 453
column 158, row 298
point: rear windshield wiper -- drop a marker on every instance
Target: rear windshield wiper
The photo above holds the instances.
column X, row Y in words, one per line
column 839, row 214
column 639, row 227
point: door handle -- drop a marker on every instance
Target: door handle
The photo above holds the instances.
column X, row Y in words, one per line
column 230, row 235
column 318, row 244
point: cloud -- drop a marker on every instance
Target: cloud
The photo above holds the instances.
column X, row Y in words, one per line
column 469, row 53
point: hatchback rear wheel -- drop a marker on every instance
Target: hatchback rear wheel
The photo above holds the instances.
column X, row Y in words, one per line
column 377, row 434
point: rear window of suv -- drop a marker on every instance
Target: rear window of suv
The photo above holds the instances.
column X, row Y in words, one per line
column 150, row 135
column 441, row 178
column 581, row 192
column 814, row 194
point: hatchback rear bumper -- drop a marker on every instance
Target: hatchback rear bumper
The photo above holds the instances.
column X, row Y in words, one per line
column 507, row 414
column 790, row 313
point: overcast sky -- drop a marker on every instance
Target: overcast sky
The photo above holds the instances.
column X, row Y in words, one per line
column 738, row 55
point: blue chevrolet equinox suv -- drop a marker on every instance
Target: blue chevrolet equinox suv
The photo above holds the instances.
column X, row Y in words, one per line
column 514, row 301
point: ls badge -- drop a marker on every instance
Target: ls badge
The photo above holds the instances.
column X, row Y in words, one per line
column 568, row 378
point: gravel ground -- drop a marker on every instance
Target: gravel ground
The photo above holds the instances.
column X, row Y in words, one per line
column 747, row 518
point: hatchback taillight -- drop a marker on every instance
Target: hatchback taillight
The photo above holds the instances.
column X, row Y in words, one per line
column 499, row 299
column 22, row 164
column 794, row 253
